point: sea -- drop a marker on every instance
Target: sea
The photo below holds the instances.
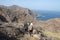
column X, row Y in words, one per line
column 46, row 15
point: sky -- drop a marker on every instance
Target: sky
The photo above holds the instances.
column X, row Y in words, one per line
column 52, row 5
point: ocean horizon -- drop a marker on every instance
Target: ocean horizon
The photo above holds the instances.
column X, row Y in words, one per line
column 46, row 15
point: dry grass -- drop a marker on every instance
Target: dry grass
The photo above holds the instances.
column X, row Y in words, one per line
column 51, row 34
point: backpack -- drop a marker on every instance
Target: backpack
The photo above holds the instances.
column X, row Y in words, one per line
column 28, row 24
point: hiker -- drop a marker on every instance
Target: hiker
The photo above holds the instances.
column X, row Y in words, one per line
column 28, row 27
column 25, row 26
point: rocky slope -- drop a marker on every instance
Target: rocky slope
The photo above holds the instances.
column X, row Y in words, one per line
column 51, row 28
column 16, row 13
column 11, row 25
column 52, row 25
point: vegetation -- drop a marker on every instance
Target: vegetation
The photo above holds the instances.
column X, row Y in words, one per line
column 51, row 34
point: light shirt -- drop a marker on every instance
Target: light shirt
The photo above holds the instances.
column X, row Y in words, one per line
column 31, row 24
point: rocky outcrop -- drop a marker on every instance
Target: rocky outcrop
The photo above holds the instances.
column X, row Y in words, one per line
column 15, row 14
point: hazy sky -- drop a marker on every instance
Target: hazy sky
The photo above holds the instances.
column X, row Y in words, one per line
column 53, row 5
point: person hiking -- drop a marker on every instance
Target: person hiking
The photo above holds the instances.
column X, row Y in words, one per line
column 28, row 27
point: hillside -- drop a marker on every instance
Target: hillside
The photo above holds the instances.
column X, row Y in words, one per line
column 50, row 28
column 11, row 25
column 51, row 25
column 16, row 13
